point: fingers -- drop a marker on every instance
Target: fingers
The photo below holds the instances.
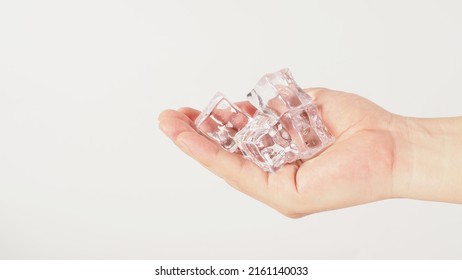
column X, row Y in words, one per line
column 278, row 190
column 237, row 171
column 234, row 169
column 175, row 114
column 173, row 126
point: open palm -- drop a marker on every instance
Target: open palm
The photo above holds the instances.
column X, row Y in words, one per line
column 356, row 169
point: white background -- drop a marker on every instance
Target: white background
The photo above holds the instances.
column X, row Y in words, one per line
column 86, row 173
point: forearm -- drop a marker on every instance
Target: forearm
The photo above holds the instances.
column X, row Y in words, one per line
column 429, row 159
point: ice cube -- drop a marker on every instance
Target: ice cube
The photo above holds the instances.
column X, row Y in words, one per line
column 307, row 131
column 277, row 93
column 221, row 120
column 266, row 142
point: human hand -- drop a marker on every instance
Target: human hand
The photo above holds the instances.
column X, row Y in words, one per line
column 369, row 161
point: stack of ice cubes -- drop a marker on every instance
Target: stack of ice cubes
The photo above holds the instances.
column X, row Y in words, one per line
column 285, row 127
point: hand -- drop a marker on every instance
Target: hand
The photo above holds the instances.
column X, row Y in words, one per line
column 370, row 160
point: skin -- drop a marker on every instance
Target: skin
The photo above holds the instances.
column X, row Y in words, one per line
column 377, row 155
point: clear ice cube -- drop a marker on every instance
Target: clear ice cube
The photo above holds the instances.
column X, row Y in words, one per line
column 278, row 94
column 221, row 120
column 307, row 131
column 266, row 142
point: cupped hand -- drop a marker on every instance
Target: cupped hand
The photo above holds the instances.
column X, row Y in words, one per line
column 358, row 168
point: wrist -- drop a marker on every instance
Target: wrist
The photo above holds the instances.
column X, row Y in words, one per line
column 428, row 157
